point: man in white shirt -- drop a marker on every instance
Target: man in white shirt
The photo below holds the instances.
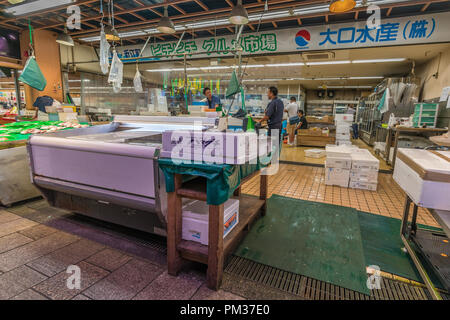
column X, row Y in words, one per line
column 291, row 109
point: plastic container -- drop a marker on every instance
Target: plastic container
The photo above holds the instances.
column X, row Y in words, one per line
column 196, row 220
column 425, row 114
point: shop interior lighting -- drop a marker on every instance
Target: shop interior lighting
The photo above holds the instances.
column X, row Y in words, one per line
column 379, row 60
column 65, row 39
column 40, row 5
column 239, row 15
column 320, row 63
column 165, row 24
column 341, row 6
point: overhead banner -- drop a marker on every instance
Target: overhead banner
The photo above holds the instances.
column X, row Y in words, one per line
column 420, row 29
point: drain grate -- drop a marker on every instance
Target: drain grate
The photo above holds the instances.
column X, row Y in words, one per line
column 308, row 288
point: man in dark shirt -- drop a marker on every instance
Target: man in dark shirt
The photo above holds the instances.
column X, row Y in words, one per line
column 303, row 124
column 274, row 112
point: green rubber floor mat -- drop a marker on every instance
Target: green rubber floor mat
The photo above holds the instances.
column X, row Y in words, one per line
column 313, row 239
column 383, row 247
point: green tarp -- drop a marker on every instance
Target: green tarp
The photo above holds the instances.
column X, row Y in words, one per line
column 221, row 179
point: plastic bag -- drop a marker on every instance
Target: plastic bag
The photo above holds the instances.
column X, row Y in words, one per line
column 116, row 73
column 104, row 52
column 137, row 82
column 32, row 75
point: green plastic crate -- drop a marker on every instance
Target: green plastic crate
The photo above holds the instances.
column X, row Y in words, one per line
column 425, row 114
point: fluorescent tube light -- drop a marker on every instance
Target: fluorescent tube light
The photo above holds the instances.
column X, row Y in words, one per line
column 379, row 60
column 39, row 5
column 319, row 63
column 364, row 78
column 285, row 64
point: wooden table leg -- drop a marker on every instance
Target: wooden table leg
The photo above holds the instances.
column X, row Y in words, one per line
column 174, row 225
column 215, row 249
column 397, row 134
column 237, row 192
column 263, row 191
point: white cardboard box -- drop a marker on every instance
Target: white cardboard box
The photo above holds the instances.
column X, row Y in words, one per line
column 338, row 151
column 363, row 185
column 343, row 117
column 337, row 177
column 369, row 176
column 338, row 162
column 363, row 159
column 425, row 177
column 196, row 220
column 315, row 153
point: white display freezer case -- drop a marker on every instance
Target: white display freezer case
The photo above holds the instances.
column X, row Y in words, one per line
column 109, row 172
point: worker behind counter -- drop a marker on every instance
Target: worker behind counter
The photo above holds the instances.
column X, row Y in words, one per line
column 303, row 123
column 274, row 112
column 213, row 101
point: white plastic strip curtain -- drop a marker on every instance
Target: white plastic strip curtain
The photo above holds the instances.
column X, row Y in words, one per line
column 104, row 45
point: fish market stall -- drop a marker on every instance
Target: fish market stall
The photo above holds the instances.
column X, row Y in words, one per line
column 109, row 172
column 15, row 181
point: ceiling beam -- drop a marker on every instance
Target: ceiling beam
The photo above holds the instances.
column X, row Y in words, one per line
column 312, row 15
column 217, row 13
column 201, row 4
column 425, row 7
column 178, row 9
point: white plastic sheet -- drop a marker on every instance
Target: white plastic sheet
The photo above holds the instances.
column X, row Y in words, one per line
column 104, row 52
column 137, row 81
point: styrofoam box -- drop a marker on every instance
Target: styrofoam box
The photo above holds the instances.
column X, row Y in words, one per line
column 337, row 177
column 196, row 220
column 364, row 176
column 363, row 185
column 315, row 153
column 363, row 159
column 338, row 162
column 338, row 151
column 231, row 148
column 343, row 117
column 343, row 143
column 340, row 130
column 428, row 194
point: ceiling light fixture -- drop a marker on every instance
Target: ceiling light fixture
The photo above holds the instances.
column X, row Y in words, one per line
column 111, row 34
column 34, row 6
column 65, row 39
column 239, row 15
column 379, row 60
column 341, row 6
column 165, row 25
column 319, row 63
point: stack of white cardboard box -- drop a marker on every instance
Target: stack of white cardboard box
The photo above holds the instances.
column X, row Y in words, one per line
column 338, row 165
column 349, row 166
column 343, row 123
column 364, row 172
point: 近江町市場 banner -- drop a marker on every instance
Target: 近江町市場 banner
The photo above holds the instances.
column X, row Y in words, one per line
column 419, row 29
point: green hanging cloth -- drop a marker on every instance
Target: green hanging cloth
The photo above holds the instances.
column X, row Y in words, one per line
column 233, row 87
column 32, row 75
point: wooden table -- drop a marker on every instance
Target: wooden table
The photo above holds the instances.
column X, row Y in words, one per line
column 213, row 255
column 398, row 130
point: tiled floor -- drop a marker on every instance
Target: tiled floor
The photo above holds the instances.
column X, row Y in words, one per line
column 34, row 258
column 38, row 243
column 308, row 183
